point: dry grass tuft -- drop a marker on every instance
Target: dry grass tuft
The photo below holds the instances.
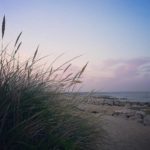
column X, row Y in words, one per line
column 32, row 115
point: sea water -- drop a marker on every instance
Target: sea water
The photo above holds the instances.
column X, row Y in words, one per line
column 130, row 96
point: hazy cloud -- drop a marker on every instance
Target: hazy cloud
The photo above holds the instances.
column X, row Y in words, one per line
column 120, row 75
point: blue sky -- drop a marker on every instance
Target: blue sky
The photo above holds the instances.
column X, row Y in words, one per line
column 102, row 30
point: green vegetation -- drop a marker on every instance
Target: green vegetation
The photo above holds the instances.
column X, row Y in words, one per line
column 32, row 111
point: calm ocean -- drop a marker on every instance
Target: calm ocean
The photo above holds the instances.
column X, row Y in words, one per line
column 131, row 96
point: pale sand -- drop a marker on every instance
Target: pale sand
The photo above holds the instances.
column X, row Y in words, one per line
column 123, row 134
column 126, row 134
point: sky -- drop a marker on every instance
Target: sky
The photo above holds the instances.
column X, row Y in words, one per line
column 113, row 35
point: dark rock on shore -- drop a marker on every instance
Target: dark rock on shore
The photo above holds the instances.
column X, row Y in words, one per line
column 129, row 109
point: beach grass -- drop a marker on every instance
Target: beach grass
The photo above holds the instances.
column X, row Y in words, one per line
column 33, row 112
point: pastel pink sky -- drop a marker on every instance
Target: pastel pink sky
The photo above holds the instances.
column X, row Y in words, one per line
column 120, row 75
column 113, row 35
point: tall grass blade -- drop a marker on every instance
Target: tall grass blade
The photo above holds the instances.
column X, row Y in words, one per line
column 17, row 39
column 3, row 26
column 17, row 48
column 83, row 69
column 67, row 68
column 36, row 51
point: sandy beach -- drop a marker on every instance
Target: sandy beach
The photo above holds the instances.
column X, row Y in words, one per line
column 126, row 134
column 124, row 125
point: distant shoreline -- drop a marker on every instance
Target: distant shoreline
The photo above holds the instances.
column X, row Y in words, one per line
column 122, row 96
